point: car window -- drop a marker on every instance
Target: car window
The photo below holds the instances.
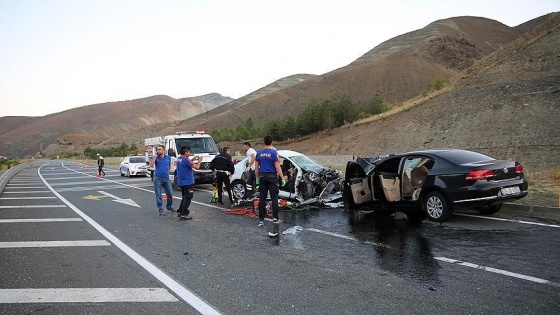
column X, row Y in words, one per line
column 198, row 145
column 390, row 166
column 462, row 157
column 307, row 164
column 138, row 159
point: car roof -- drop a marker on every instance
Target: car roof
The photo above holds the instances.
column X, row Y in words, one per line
column 288, row 153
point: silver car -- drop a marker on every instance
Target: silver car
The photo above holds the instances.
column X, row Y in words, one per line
column 134, row 165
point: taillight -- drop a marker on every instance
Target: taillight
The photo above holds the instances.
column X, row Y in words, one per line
column 519, row 169
column 479, row 174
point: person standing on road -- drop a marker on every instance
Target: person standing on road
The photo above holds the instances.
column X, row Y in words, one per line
column 162, row 163
column 267, row 171
column 223, row 168
column 185, row 180
column 251, row 154
column 100, row 164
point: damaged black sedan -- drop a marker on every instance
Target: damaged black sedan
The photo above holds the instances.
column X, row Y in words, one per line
column 431, row 183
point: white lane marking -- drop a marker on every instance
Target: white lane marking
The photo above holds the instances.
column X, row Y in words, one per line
column 92, row 182
column 129, row 201
column 30, row 187
column 54, row 244
column 73, row 177
column 40, row 220
column 508, row 220
column 185, row 294
column 448, row 260
column 494, row 270
column 86, row 295
column 37, row 206
column 26, row 192
column 22, row 198
column 21, row 185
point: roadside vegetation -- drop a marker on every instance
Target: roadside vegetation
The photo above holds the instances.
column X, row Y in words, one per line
column 8, row 163
column 120, row 151
column 317, row 116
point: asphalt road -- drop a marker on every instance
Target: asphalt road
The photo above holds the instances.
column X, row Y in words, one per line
column 71, row 243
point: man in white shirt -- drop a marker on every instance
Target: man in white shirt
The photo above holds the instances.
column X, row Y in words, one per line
column 251, row 154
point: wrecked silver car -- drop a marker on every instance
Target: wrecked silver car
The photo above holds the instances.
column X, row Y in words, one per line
column 309, row 182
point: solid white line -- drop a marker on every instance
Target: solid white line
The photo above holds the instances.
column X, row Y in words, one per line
column 494, row 270
column 12, row 198
column 448, row 260
column 73, row 177
column 508, row 220
column 22, row 185
column 40, row 220
column 86, row 295
column 37, row 206
column 54, row 244
column 173, row 285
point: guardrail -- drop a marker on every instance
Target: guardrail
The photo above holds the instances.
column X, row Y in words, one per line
column 7, row 175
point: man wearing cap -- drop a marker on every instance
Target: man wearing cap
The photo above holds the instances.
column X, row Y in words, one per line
column 100, row 164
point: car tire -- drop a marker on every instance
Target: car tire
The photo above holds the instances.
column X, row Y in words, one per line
column 489, row 209
column 437, row 207
column 239, row 189
column 174, row 183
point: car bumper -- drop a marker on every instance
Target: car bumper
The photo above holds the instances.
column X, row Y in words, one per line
column 487, row 194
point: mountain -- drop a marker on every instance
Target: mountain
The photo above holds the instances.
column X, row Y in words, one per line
column 506, row 105
column 503, row 99
column 73, row 129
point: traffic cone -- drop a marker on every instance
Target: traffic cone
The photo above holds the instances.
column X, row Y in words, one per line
column 97, row 175
column 86, row 169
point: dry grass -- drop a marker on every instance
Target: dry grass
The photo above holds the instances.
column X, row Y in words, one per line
column 544, row 188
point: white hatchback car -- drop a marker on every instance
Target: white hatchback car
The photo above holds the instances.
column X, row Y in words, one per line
column 312, row 182
column 134, row 165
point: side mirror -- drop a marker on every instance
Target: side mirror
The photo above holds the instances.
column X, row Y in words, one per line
column 171, row 152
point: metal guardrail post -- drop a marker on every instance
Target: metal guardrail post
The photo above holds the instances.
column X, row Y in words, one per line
column 6, row 176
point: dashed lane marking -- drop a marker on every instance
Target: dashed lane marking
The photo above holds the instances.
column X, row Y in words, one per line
column 36, row 206
column 24, row 198
column 26, row 192
column 508, row 220
column 28, row 187
column 448, row 260
column 40, row 220
column 54, row 244
column 85, row 295
column 185, row 294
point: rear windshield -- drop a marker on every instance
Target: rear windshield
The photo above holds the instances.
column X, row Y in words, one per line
column 138, row 159
column 462, row 157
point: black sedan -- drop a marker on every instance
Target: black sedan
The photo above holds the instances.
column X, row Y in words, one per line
column 431, row 183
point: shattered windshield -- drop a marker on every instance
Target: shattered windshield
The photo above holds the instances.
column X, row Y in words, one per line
column 307, row 164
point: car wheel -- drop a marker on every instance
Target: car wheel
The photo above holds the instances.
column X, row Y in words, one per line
column 174, row 183
column 437, row 207
column 489, row 209
column 239, row 189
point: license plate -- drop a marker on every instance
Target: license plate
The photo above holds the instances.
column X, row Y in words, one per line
column 510, row 191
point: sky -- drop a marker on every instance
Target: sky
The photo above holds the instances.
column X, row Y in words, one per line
column 61, row 54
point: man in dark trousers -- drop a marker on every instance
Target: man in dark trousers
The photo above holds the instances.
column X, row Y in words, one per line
column 267, row 171
column 100, row 164
column 185, row 179
column 222, row 166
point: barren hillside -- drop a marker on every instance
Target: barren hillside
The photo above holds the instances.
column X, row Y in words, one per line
column 507, row 105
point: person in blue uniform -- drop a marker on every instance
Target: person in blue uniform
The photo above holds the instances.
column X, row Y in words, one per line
column 267, row 171
column 185, row 179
